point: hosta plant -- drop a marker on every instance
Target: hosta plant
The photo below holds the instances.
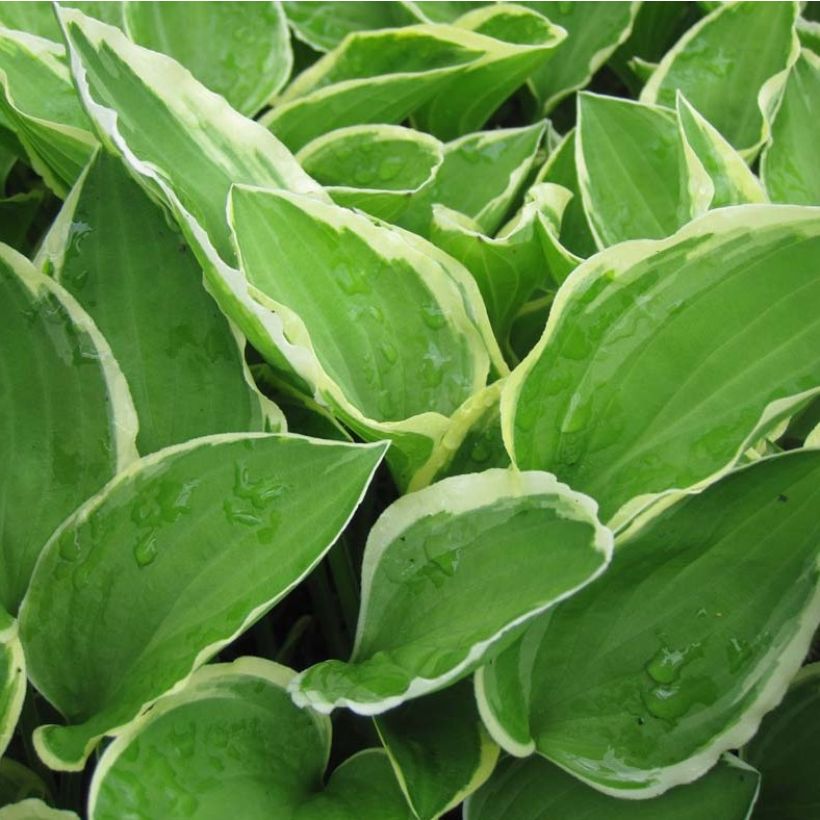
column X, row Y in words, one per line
column 409, row 410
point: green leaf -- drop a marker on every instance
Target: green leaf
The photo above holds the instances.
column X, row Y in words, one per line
column 631, row 170
column 575, row 236
column 442, row 11
column 808, row 32
column 437, row 599
column 17, row 215
column 17, row 782
column 439, row 749
column 12, row 678
column 186, row 146
column 472, row 442
column 507, row 268
column 535, row 789
column 175, row 558
column 594, row 31
column 37, row 16
column 641, row 681
column 378, row 169
column 789, row 165
column 388, row 318
column 184, row 367
column 721, row 69
column 323, row 25
column 34, row 809
column 481, row 177
column 68, row 423
column 785, row 749
column 239, row 50
column 696, row 384
column 731, row 180
column 521, row 40
column 233, row 743
column 374, row 77
column 41, row 106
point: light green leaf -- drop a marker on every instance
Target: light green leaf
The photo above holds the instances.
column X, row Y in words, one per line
column 785, row 749
column 705, row 150
column 722, row 70
column 437, row 599
column 439, row 749
column 186, row 146
column 472, row 442
column 481, row 177
column 631, row 170
column 323, row 25
column 535, row 789
column 37, row 16
column 171, row 561
column 594, row 31
column 374, row 77
column 12, row 678
column 240, row 50
column 575, row 237
column 508, row 268
column 67, row 420
column 396, row 327
column 233, row 743
column 521, row 40
column 34, row 809
column 378, row 169
column 183, row 363
column 640, row 682
column 41, row 106
column 696, row 384
column 790, row 165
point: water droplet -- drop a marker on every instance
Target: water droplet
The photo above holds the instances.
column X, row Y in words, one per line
column 388, row 351
column 433, row 316
column 480, row 452
column 145, row 550
column 69, row 545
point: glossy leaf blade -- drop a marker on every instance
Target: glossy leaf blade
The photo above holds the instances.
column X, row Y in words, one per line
column 388, row 317
column 630, row 169
column 720, row 68
column 594, row 31
column 239, row 50
column 186, row 146
column 535, row 789
column 435, row 597
column 183, row 363
column 790, row 166
column 694, row 380
column 519, row 40
column 41, row 106
column 439, row 749
column 407, row 66
column 232, row 741
column 642, row 681
column 12, row 678
column 172, row 560
column 784, row 749
column 67, row 420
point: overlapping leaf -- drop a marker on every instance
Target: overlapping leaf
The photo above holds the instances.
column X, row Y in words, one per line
column 172, row 560
column 183, row 363
column 233, row 742
column 641, row 681
column 41, row 106
column 240, row 50
column 645, row 381
column 68, row 422
column 12, row 678
column 435, row 597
